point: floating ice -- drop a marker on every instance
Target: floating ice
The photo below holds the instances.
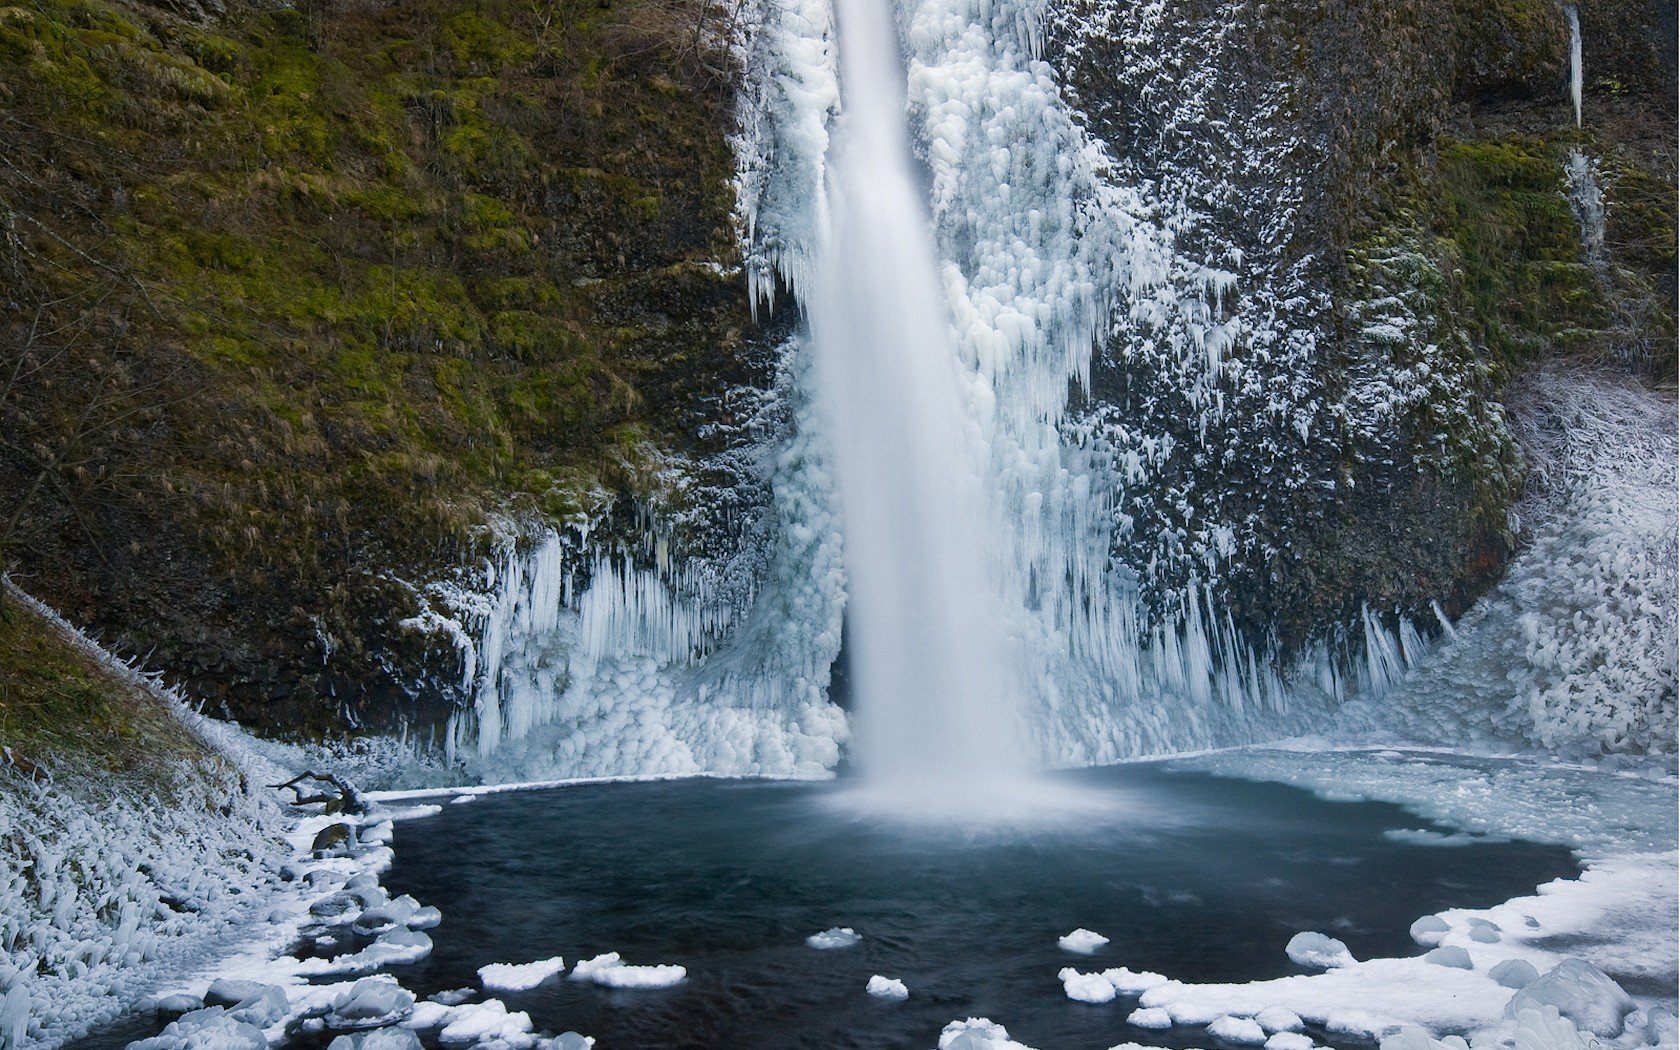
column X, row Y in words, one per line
column 391, row 949
column 834, row 937
column 1318, row 952
column 887, row 988
column 1126, row 982
column 1289, row 1041
column 1243, row 1031
column 611, row 971
column 1081, row 941
column 519, row 977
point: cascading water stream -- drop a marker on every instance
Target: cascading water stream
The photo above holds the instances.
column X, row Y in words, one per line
column 1575, row 75
column 935, row 708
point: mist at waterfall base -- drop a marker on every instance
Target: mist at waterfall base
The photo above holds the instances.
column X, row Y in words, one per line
column 1195, row 877
column 935, row 719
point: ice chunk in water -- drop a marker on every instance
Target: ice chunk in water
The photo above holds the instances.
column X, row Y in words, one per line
column 1318, row 952
column 1081, row 941
column 519, row 977
column 833, row 937
column 1582, row 993
column 887, row 988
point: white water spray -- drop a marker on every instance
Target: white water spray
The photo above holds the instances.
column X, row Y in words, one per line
column 1574, row 60
column 935, row 708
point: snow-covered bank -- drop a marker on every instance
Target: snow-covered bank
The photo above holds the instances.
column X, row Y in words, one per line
column 110, row 880
column 1619, row 918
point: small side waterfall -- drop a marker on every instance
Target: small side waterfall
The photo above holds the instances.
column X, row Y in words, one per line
column 934, row 702
column 1574, row 60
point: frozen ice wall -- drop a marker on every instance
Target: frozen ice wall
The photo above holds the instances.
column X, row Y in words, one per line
column 1112, row 525
column 1574, row 650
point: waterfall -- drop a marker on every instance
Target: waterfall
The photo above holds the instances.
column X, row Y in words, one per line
column 934, row 701
column 1574, row 60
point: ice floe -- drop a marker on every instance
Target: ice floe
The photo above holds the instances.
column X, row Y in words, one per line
column 613, row 972
column 519, row 977
column 834, row 937
column 887, row 988
column 1081, row 941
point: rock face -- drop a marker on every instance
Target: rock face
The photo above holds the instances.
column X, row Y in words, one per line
column 300, row 299
column 1386, row 189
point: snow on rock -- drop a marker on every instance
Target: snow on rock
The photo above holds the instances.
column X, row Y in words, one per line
column 486, row 1024
column 1243, row 1031
column 833, row 937
column 391, row 949
column 611, row 971
column 371, row 1002
column 1153, row 1017
column 519, row 977
column 104, row 891
column 211, row 1028
column 887, row 988
column 1081, row 941
column 1429, row 930
column 1086, row 987
column 1318, row 952
column 1289, row 1041
column 1580, row 992
column 1449, row 956
column 1514, row 973
column 1102, row 987
column 1275, row 1019
column 1127, row 982
column 378, row 1039
column 977, row 1033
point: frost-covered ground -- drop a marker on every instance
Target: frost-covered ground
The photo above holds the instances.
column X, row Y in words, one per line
column 109, row 884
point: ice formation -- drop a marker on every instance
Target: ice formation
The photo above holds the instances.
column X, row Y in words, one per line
column 1574, row 650
column 1575, row 74
column 585, row 655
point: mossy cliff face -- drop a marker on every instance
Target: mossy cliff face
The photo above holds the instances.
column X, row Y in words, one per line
column 1387, row 182
column 296, row 297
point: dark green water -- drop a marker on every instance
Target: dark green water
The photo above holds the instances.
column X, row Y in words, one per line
column 1198, row 878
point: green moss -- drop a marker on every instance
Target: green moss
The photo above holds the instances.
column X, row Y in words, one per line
column 62, row 711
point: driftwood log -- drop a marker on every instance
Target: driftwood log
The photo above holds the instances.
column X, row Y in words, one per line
column 341, row 798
